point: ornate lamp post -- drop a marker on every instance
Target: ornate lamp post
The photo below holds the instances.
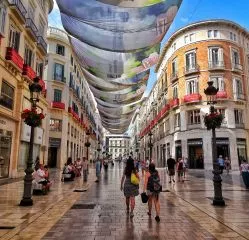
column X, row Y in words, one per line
column 211, row 92
column 87, row 144
column 150, row 145
column 35, row 90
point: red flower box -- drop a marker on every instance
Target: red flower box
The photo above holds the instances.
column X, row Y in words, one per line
column 174, row 102
column 59, row 105
column 196, row 97
column 28, row 71
column 221, row 94
column 12, row 55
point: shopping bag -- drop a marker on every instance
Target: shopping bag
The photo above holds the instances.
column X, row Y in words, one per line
column 134, row 179
column 144, row 197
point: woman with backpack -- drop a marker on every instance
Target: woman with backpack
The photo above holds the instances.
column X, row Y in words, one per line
column 130, row 190
column 153, row 187
column 179, row 168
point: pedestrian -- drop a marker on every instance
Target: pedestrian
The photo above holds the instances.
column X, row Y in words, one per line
column 153, row 188
column 130, row 190
column 179, row 169
column 244, row 171
column 171, row 168
column 98, row 169
column 185, row 167
column 85, row 169
column 221, row 163
column 227, row 164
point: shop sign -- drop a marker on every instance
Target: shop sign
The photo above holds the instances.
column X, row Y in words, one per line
column 25, row 133
column 54, row 142
column 195, row 142
column 222, row 141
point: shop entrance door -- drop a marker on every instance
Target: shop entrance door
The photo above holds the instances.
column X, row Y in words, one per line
column 195, row 154
column 5, row 149
column 52, row 157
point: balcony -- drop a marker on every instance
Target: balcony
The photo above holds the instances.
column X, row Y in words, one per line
column 75, row 115
column 59, row 105
column 236, row 67
column 239, row 97
column 195, row 68
column 218, row 65
column 19, row 10
column 174, row 103
column 174, row 77
column 195, row 97
column 221, row 95
column 31, row 29
column 41, row 44
column 28, row 72
column 239, row 125
column 14, row 58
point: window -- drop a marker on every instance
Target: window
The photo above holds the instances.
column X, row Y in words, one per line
column 218, row 82
column 57, row 95
column 68, row 128
column 55, row 125
column 192, row 86
column 14, row 38
column 72, row 131
column 233, row 36
column 216, row 56
column 28, row 56
column 191, row 37
column 186, row 39
column 177, row 120
column 175, row 91
column 238, row 116
column 213, row 33
column 2, row 18
column 7, row 95
column 235, row 57
column 190, row 59
column 221, row 111
column 41, row 28
column 238, row 88
column 60, row 49
column 173, row 46
column 59, row 72
column 39, row 68
column 167, row 126
column 174, row 67
column 194, row 117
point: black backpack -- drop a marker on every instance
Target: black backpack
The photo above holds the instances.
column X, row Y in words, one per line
column 154, row 184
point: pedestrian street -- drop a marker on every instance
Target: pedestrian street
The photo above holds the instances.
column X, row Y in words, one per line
column 100, row 212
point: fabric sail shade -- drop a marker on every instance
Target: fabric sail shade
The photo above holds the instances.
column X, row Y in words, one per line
column 117, row 42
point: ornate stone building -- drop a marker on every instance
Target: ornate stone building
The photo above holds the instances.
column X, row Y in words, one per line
column 215, row 50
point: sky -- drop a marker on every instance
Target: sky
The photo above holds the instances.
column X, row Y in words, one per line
column 189, row 12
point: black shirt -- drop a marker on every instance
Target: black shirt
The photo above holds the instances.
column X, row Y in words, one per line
column 171, row 163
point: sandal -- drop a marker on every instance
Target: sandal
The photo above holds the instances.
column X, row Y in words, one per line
column 131, row 215
column 149, row 213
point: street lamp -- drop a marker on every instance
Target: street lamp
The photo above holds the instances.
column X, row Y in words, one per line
column 35, row 90
column 150, row 145
column 87, row 144
column 211, row 92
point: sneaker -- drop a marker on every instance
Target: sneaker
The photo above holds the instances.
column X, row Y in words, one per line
column 169, row 181
column 173, row 180
column 157, row 218
column 149, row 213
column 131, row 215
column 97, row 180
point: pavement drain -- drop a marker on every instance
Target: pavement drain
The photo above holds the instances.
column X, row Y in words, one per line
column 80, row 190
column 83, row 206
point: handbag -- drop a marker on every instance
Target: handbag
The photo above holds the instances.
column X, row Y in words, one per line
column 134, row 179
column 144, row 197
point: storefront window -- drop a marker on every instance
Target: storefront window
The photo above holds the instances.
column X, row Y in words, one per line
column 241, row 150
column 7, row 95
column 195, row 154
column 5, row 149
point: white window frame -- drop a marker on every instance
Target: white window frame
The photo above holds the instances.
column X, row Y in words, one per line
column 177, row 120
column 192, row 61
column 14, row 37
column 3, row 12
column 234, row 50
column 196, row 117
column 238, row 115
column 192, row 86
column 238, row 90
column 218, row 82
column 213, row 33
column 220, row 60
column 30, row 61
column 175, row 91
column 174, row 62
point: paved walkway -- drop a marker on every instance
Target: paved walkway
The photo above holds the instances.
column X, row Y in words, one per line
column 99, row 213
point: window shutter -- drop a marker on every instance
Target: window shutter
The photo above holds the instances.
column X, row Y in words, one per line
column 220, row 54
column 17, row 40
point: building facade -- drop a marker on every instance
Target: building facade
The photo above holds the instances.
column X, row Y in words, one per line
column 215, row 50
column 118, row 146
column 23, row 49
column 72, row 110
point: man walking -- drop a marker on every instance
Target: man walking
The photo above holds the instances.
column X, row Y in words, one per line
column 171, row 168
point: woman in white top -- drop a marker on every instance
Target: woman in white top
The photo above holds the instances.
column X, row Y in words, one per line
column 244, row 170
